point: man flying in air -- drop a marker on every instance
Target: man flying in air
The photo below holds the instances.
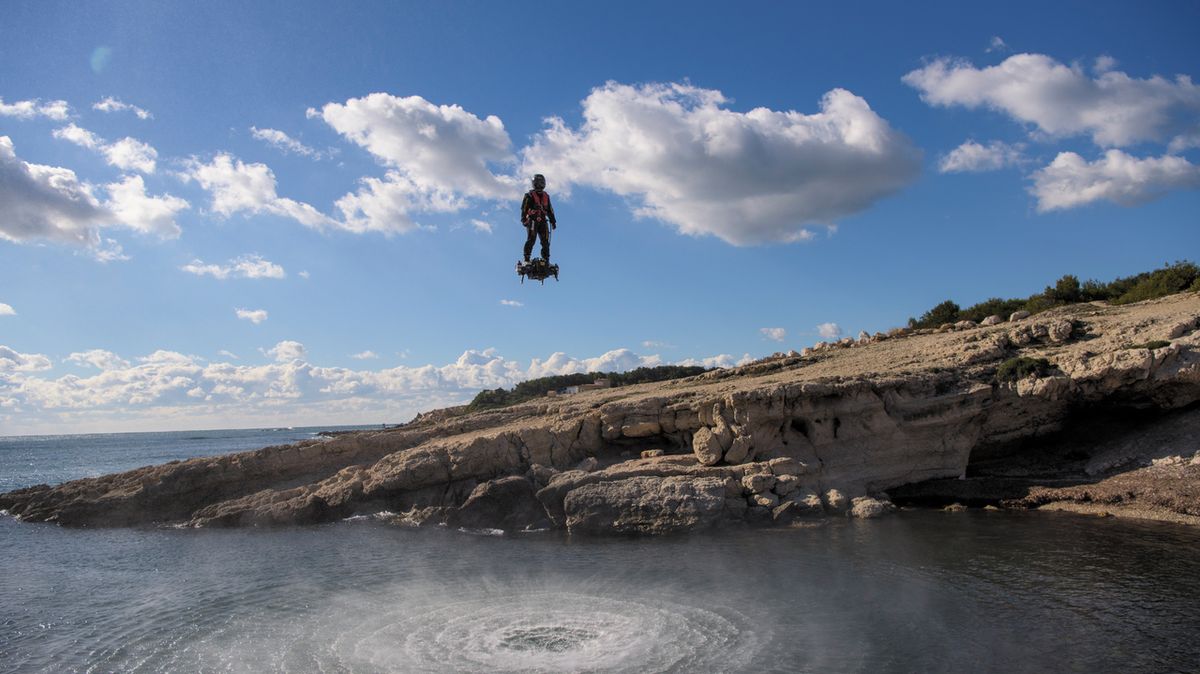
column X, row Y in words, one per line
column 536, row 211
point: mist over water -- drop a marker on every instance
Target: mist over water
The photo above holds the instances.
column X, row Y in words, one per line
column 920, row 591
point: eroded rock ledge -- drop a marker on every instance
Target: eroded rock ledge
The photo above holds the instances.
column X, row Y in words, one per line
column 792, row 437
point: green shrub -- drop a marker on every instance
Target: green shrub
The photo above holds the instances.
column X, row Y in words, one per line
column 1160, row 283
column 536, row 388
column 946, row 312
column 1015, row 369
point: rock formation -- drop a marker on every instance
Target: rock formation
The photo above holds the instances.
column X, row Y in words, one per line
column 829, row 431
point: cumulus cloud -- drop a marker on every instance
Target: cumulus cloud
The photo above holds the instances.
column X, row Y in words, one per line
column 512, row 303
column 137, row 210
column 56, row 110
column 45, row 202
column 1070, row 180
column 971, row 157
column 287, row 350
column 175, row 388
column 251, row 266
column 481, row 225
column 439, row 158
column 439, row 148
column 365, row 355
column 127, row 154
column 238, row 187
column 255, row 316
column 748, row 178
column 99, row 359
column 284, row 142
column 774, row 334
column 111, row 104
column 7, row 310
column 1060, row 100
column 829, row 330
column 721, row 361
column 12, row 360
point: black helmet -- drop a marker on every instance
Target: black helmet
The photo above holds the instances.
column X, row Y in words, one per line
column 539, row 182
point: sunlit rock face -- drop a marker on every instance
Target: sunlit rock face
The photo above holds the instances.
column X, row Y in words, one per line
column 785, row 438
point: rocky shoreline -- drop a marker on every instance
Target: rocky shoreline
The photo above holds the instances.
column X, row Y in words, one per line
column 845, row 429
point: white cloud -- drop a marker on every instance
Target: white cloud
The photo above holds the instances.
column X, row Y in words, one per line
column 167, row 389
column 303, row 274
column 971, row 157
column 365, row 355
column 227, row 354
column 251, row 266
column 7, row 310
column 481, row 225
column 45, row 202
column 287, row 350
column 255, row 316
column 131, row 154
column 111, row 104
column 997, row 44
column 829, row 330
column 12, row 360
column 652, row 344
column 512, row 303
column 135, row 209
column 239, row 187
column 1070, row 180
column 774, row 334
column 126, row 154
column 56, row 110
column 721, row 361
column 748, row 178
column 439, row 148
column 283, row 142
column 99, row 359
column 1060, row 100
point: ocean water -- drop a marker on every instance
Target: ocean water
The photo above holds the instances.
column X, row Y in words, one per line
column 921, row 591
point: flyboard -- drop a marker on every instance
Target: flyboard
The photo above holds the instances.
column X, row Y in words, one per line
column 537, row 269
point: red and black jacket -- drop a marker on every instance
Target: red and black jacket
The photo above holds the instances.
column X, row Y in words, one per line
column 536, row 207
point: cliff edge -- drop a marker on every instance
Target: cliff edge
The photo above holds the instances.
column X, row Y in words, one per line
column 1089, row 407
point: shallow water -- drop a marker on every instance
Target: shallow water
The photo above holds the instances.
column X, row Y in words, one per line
column 920, row 591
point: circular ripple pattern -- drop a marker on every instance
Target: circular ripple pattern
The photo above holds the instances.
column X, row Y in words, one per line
column 554, row 631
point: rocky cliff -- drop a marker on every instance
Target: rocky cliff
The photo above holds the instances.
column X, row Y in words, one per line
column 829, row 431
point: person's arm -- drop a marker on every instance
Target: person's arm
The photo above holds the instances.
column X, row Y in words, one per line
column 525, row 209
column 550, row 211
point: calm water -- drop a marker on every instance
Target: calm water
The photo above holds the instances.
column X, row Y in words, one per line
column 921, row 591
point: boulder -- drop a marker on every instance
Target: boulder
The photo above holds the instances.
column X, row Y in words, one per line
column 787, row 466
column 758, row 483
column 739, row 449
column 588, row 465
column 835, row 501
column 1018, row 316
column 707, row 447
column 786, row 484
column 868, row 507
column 994, row 319
column 808, row 503
column 651, row 453
column 508, row 503
column 764, row 500
column 646, row 505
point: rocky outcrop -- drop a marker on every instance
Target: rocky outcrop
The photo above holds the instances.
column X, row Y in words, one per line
column 820, row 433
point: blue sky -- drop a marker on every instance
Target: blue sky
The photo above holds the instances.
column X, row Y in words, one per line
column 727, row 181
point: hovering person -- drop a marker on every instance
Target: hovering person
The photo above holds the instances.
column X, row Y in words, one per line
column 536, row 212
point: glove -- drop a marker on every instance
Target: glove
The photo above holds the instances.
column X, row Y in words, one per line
column 553, row 225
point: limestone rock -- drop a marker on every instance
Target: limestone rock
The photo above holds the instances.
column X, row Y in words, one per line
column 646, row 505
column 707, row 447
column 1018, row 316
column 992, row 320
column 787, row 466
column 651, row 453
column 868, row 507
column 588, row 465
column 786, row 484
column 739, row 449
column 765, row 500
column 808, row 502
column 507, row 503
column 758, row 483
column 835, row 501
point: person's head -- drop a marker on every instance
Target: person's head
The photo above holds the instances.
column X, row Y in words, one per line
column 539, row 182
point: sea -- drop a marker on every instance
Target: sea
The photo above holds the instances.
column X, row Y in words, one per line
column 918, row 591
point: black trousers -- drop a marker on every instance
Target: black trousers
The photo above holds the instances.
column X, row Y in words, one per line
column 540, row 230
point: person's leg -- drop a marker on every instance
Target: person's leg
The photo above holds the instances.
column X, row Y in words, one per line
column 529, row 241
column 544, row 235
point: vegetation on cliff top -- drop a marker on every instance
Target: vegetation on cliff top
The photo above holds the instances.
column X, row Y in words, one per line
column 536, row 388
column 1171, row 279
